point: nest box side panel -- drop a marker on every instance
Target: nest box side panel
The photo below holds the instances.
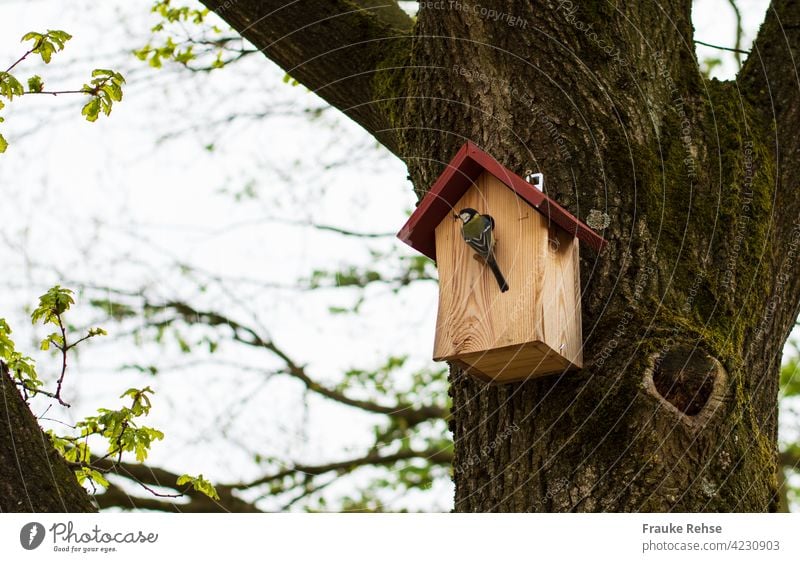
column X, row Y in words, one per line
column 562, row 307
column 474, row 316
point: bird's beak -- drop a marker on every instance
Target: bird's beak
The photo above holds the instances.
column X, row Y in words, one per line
column 455, row 217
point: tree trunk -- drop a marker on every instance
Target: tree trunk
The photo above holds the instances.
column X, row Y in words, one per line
column 33, row 476
column 676, row 409
column 685, row 313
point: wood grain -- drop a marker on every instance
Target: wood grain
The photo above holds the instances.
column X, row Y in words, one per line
column 490, row 330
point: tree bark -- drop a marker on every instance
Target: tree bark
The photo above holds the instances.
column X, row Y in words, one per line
column 334, row 47
column 33, row 476
column 693, row 183
column 686, row 312
column 676, row 408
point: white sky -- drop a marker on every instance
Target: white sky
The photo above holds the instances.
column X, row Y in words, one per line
column 110, row 203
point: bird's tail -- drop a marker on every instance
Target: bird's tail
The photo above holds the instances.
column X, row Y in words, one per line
column 497, row 273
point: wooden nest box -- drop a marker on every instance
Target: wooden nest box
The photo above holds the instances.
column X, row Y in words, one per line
column 532, row 329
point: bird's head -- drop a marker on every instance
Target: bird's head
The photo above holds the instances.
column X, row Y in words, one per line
column 465, row 215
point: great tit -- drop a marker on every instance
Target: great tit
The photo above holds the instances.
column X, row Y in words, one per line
column 477, row 230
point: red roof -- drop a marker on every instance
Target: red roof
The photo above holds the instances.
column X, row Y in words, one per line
column 462, row 171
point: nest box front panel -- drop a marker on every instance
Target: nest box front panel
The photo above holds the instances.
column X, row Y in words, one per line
column 534, row 327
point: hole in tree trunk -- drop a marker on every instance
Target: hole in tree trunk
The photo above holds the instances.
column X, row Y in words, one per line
column 684, row 376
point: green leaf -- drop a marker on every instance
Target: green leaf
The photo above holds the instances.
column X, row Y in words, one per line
column 59, row 37
column 97, row 477
column 91, row 110
column 31, row 35
column 52, row 304
column 10, row 86
column 200, row 484
column 142, row 53
column 105, row 89
column 45, row 44
column 3, row 144
column 287, row 79
column 35, row 84
column 85, row 473
column 6, row 345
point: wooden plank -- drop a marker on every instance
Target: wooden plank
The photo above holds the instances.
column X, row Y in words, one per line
column 549, row 208
column 473, row 314
column 515, row 363
column 562, row 307
column 532, row 329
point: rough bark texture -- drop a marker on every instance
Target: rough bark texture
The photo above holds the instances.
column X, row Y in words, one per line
column 332, row 46
column 686, row 313
column 684, row 169
column 33, row 476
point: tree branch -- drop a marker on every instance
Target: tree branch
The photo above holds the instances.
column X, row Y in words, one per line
column 436, row 456
column 736, row 50
column 770, row 82
column 114, row 496
column 19, row 60
column 64, row 348
column 333, row 47
column 249, row 336
column 738, row 46
column 770, row 74
column 148, row 476
column 790, row 458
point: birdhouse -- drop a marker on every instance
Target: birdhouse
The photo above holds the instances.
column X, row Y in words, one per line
column 533, row 328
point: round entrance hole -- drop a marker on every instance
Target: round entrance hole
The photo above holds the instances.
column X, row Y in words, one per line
column 684, row 376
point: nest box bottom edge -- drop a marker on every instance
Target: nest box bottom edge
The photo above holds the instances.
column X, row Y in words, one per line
column 513, row 363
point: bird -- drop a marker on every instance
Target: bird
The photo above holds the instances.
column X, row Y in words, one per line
column 477, row 230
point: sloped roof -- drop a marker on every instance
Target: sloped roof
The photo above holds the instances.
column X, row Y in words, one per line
column 462, row 171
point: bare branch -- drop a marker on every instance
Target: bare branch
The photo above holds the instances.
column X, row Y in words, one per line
column 307, row 491
column 333, row 47
column 436, row 456
column 147, row 477
column 738, row 46
column 114, row 496
column 736, row 50
column 64, row 348
column 19, row 60
column 344, row 231
column 249, row 336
